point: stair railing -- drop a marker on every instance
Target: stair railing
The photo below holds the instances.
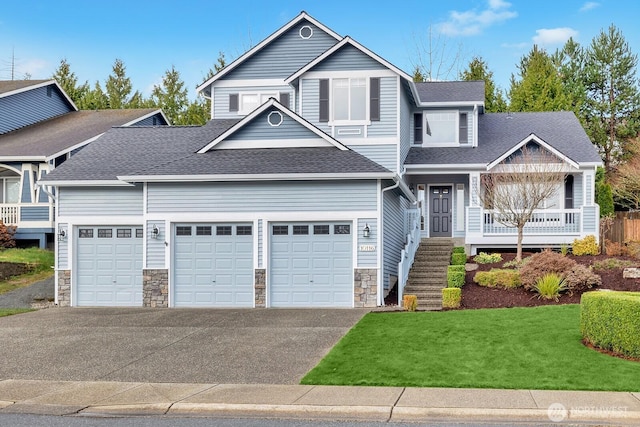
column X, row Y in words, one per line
column 408, row 253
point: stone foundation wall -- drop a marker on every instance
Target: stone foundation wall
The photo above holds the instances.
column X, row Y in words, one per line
column 260, row 288
column 155, row 288
column 64, row 288
column 366, row 287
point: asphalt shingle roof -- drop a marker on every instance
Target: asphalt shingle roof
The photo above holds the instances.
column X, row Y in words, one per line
column 62, row 132
column 172, row 151
column 459, row 91
column 499, row 132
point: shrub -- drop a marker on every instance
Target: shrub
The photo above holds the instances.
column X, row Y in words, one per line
column 609, row 320
column 581, row 278
column 485, row 258
column 458, row 250
column 544, row 262
column 505, row 278
column 458, row 258
column 549, row 286
column 455, row 276
column 564, row 250
column 6, row 236
column 586, row 246
column 632, row 249
column 410, row 302
column 451, row 297
column 613, row 248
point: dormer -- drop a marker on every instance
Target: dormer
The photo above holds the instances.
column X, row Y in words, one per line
column 447, row 113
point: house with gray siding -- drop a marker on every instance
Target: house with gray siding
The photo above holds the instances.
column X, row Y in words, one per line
column 40, row 128
column 322, row 167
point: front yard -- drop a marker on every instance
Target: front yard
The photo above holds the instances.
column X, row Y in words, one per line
column 511, row 348
column 22, row 267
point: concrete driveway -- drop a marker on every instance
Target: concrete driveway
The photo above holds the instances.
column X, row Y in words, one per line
column 274, row 346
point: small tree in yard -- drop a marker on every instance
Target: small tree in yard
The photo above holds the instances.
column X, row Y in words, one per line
column 520, row 185
column 6, row 236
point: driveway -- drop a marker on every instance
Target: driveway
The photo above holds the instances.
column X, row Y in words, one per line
column 262, row 346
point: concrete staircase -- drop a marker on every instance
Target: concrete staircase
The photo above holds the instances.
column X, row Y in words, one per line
column 428, row 274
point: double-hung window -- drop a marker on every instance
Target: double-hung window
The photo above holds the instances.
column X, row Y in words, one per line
column 349, row 99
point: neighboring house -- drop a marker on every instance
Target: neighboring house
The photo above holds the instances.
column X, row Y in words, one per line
column 40, row 128
column 322, row 168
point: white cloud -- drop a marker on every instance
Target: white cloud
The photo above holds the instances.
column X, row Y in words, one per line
column 554, row 36
column 517, row 46
column 589, row 6
column 472, row 22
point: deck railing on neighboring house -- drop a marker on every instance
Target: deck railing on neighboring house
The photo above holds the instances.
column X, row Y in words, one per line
column 10, row 214
column 547, row 221
column 412, row 218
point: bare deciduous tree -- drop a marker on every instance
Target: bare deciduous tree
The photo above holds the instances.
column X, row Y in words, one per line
column 517, row 187
column 625, row 181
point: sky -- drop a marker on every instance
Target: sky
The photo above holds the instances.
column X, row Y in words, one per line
column 152, row 36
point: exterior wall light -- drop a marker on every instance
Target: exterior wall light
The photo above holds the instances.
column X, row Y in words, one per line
column 62, row 235
column 366, row 231
column 155, row 232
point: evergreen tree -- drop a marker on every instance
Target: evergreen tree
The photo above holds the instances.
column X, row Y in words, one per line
column 94, row 99
column 539, row 87
column 171, row 96
column 570, row 62
column 477, row 70
column 613, row 99
column 69, row 82
column 118, row 86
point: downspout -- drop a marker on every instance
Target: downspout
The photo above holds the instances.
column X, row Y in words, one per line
column 55, row 240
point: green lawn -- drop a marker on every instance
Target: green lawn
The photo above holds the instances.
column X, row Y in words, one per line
column 514, row 348
column 11, row 311
column 41, row 260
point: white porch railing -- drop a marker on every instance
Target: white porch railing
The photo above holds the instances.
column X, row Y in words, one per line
column 10, row 214
column 547, row 221
column 412, row 218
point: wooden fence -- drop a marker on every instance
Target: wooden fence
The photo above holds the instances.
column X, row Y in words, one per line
column 625, row 228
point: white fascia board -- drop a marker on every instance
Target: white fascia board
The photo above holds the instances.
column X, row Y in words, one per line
column 451, row 104
column 284, row 110
column 23, row 159
column 251, row 83
column 541, row 142
column 73, row 147
column 264, row 43
column 254, row 177
column 86, row 183
column 336, row 47
column 443, row 169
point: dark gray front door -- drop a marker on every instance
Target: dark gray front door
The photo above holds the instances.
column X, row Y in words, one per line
column 440, row 200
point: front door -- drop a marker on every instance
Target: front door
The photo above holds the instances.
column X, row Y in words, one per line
column 440, row 212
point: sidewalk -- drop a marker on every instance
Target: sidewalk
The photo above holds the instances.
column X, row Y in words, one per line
column 315, row 402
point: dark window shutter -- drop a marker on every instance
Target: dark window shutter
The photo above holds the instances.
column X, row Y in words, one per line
column 417, row 128
column 463, row 129
column 374, row 99
column 568, row 192
column 324, row 100
column 233, row 102
column 284, row 99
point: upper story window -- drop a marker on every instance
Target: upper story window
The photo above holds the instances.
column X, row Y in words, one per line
column 441, row 128
column 245, row 102
column 354, row 99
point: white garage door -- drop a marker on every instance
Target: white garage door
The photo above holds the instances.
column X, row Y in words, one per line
column 109, row 266
column 213, row 265
column 311, row 265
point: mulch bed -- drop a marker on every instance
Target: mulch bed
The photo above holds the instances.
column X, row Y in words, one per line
column 476, row 296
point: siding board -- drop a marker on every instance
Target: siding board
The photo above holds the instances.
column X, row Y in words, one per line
column 97, row 201
column 26, row 108
column 393, row 234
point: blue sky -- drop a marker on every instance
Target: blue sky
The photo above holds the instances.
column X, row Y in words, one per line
column 151, row 36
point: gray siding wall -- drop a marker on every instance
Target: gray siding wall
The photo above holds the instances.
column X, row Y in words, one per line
column 155, row 247
column 62, row 256
column 578, row 200
column 260, row 129
column 34, row 213
column 310, row 103
column 25, row 197
column 406, row 126
column 27, row 108
column 155, row 120
column 475, row 220
column 388, row 124
column 348, row 58
column 384, row 154
column 590, row 220
column 284, row 55
column 95, row 201
column 393, row 234
column 368, row 259
column 262, row 197
column 221, row 98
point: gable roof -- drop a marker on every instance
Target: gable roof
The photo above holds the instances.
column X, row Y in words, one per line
column 13, row 87
column 50, row 138
column 273, row 104
column 169, row 153
column 452, row 93
column 227, row 69
column 337, row 47
column 499, row 133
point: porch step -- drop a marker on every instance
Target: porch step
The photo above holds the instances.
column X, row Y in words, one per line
column 428, row 273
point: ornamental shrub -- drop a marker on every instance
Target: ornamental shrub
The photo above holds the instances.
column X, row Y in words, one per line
column 458, row 258
column 542, row 263
column 581, row 278
column 6, row 235
column 586, row 246
column 609, row 320
column 485, row 258
column 455, row 276
column 451, row 297
column 498, row 277
column 458, row 250
column 549, row 286
column 410, row 302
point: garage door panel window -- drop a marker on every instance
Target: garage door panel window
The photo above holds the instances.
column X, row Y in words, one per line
column 223, row 230
column 123, row 233
column 320, row 229
column 105, row 233
column 85, row 233
column 280, row 230
column 244, row 230
column 183, row 231
column 203, row 231
column 299, row 230
column 342, row 229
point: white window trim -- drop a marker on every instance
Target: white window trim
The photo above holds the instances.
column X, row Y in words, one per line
column 262, row 98
column 456, row 113
column 366, row 121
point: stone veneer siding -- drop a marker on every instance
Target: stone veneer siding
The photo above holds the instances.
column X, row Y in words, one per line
column 260, row 288
column 155, row 288
column 64, row 288
column 366, row 287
